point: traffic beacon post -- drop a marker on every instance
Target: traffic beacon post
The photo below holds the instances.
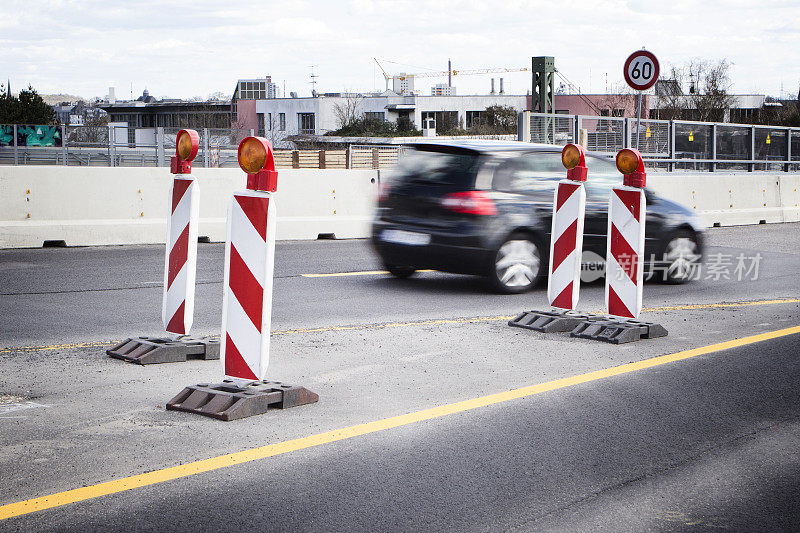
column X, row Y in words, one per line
column 624, row 259
column 247, row 302
column 566, row 247
column 180, row 267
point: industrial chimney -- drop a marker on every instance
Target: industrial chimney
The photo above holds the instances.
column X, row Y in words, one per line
column 492, row 86
column 502, row 91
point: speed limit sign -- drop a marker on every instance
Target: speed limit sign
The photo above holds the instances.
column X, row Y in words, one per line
column 641, row 70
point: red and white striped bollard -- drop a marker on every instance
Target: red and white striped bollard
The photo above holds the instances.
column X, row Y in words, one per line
column 249, row 267
column 566, row 239
column 625, row 245
column 180, row 264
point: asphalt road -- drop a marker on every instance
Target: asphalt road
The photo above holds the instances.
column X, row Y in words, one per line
column 108, row 293
column 706, row 442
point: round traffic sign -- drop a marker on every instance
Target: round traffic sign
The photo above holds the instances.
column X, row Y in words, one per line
column 641, row 70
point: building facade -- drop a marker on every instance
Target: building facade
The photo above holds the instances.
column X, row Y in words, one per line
column 280, row 118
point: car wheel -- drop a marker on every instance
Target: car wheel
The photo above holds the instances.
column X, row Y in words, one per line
column 680, row 258
column 401, row 272
column 517, row 265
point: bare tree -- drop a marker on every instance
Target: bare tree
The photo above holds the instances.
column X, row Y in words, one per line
column 706, row 98
column 620, row 102
column 348, row 111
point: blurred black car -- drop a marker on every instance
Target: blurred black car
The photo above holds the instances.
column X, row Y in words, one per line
column 485, row 208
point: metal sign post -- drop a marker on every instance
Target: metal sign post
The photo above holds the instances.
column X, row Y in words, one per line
column 641, row 72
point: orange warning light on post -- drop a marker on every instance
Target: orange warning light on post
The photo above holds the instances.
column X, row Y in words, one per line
column 186, row 146
column 630, row 163
column 257, row 160
column 574, row 161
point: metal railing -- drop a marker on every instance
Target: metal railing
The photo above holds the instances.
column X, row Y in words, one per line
column 666, row 145
column 673, row 144
column 112, row 146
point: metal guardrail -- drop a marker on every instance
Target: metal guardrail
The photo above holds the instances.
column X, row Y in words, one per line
column 674, row 144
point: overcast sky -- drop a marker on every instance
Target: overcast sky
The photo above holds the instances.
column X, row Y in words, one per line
column 194, row 48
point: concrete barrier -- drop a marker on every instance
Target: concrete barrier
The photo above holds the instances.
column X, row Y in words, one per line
column 96, row 205
column 733, row 199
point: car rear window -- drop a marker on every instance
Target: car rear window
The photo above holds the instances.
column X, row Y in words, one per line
column 436, row 167
column 529, row 173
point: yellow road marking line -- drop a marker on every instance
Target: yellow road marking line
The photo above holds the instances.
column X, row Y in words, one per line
column 416, row 323
column 360, row 273
column 56, row 347
column 271, row 450
column 719, row 305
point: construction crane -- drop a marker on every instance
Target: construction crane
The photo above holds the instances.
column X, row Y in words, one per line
column 443, row 73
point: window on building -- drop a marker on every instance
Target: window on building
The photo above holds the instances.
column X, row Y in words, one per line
column 473, row 118
column 282, row 121
column 305, row 123
column 374, row 116
column 562, row 111
column 604, row 112
column 618, row 113
column 260, row 125
column 270, row 124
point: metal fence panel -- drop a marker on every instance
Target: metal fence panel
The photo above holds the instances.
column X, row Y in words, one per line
column 552, row 129
column 606, row 135
column 692, row 141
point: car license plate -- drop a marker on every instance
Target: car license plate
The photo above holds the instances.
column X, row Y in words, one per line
column 405, row 237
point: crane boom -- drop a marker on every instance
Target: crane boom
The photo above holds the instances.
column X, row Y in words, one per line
column 456, row 73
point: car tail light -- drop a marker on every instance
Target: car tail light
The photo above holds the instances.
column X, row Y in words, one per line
column 469, row 202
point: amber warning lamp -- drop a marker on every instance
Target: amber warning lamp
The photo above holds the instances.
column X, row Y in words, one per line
column 630, row 163
column 186, row 145
column 257, row 160
column 574, row 161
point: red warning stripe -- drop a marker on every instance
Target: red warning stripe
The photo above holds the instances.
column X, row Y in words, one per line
column 179, row 188
column 248, row 291
column 565, row 190
column 615, row 305
column 565, row 244
column 256, row 211
column 631, row 199
column 564, row 299
column 176, row 323
column 178, row 255
column 622, row 252
column 235, row 365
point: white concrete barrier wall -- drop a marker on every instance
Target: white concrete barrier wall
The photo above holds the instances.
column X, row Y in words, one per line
column 97, row 205
column 733, row 199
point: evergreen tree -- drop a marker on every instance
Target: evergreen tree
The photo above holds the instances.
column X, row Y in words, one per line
column 28, row 108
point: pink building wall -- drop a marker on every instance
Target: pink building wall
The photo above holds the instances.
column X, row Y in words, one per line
column 574, row 104
column 246, row 115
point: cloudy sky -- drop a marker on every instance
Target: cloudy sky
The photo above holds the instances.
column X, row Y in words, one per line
column 194, row 48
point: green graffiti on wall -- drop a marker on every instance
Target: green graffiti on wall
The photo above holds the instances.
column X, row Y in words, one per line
column 40, row 135
column 6, row 135
column 31, row 135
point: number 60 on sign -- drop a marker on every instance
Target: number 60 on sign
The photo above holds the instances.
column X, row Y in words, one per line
column 641, row 70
